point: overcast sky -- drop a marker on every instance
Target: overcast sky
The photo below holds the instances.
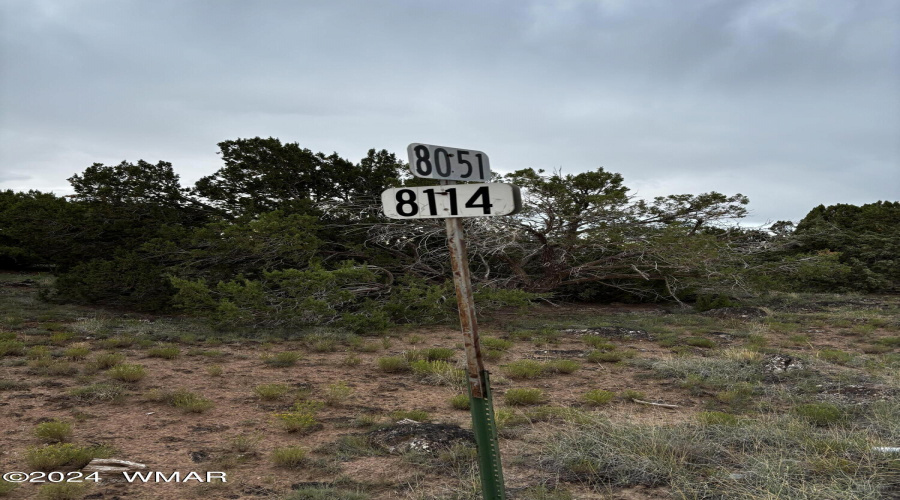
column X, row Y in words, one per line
column 792, row 103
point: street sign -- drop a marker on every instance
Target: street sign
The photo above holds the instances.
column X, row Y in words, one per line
column 441, row 162
column 451, row 202
column 455, row 200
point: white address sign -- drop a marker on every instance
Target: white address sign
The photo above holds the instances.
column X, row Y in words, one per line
column 442, row 162
column 455, row 200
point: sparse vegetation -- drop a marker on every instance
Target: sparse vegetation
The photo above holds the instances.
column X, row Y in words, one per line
column 271, row 392
column 98, row 393
column 289, row 456
column 188, row 402
column 63, row 491
column 337, row 393
column 282, row 359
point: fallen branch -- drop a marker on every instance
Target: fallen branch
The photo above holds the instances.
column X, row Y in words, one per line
column 661, row 405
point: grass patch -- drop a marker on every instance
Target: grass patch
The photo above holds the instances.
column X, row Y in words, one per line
column 460, row 402
column 325, row 493
column 523, row 369
column 63, row 491
column 716, row 418
column 495, row 343
column 215, row 370
column 291, row 457
column 127, row 372
column 701, row 342
column 821, row 414
column 393, row 364
column 189, row 402
column 302, row 419
column 563, row 366
column 54, row 456
column 281, row 359
column 439, row 373
column 13, row 385
column 164, row 352
column 835, row 356
column 271, row 392
column 76, row 353
column 523, row 396
column 337, row 394
column 96, row 393
column 11, row 348
column 107, row 360
column 54, row 431
column 599, row 343
column 598, row 397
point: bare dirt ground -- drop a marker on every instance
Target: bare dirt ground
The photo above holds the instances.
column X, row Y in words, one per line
column 240, row 433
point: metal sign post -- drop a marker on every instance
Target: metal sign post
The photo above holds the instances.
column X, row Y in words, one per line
column 481, row 402
column 452, row 202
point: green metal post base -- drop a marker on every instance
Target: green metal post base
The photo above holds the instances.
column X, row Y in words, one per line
column 486, row 438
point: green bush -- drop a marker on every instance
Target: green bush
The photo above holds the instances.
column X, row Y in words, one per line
column 54, row 431
column 11, row 348
column 460, row 401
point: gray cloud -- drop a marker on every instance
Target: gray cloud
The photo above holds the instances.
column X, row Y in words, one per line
column 793, row 103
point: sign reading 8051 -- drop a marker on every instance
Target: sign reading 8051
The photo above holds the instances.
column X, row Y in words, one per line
column 441, row 162
column 456, row 200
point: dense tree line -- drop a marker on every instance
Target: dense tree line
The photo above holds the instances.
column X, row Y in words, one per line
column 283, row 236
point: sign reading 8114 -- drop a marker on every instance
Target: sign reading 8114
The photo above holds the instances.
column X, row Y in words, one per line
column 451, row 164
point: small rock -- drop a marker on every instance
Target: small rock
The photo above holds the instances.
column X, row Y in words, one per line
column 409, row 435
column 780, row 363
column 619, row 332
column 111, row 468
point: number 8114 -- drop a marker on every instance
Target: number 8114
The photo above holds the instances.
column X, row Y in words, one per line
column 460, row 200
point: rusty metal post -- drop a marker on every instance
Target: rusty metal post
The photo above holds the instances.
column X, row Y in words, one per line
column 481, row 402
